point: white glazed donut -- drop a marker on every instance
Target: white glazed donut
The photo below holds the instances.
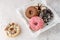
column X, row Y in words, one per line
column 12, row 30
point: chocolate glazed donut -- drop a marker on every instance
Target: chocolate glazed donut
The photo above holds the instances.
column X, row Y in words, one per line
column 31, row 11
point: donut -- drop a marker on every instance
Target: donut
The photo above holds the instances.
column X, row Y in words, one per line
column 12, row 30
column 31, row 11
column 38, row 8
column 36, row 23
column 47, row 15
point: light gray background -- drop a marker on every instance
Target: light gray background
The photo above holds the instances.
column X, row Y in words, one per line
column 10, row 6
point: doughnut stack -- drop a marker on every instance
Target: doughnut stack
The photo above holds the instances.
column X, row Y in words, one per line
column 38, row 16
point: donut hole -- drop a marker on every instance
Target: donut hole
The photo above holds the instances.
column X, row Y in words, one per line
column 11, row 29
column 30, row 12
column 35, row 23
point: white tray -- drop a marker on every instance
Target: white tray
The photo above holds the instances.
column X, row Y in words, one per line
column 21, row 12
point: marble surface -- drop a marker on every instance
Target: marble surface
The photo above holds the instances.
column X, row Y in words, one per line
column 10, row 6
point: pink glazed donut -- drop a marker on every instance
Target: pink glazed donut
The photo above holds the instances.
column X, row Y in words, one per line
column 36, row 23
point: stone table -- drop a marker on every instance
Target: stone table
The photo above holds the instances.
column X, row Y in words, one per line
column 8, row 7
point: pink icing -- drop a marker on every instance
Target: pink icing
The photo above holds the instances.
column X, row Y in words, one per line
column 36, row 23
